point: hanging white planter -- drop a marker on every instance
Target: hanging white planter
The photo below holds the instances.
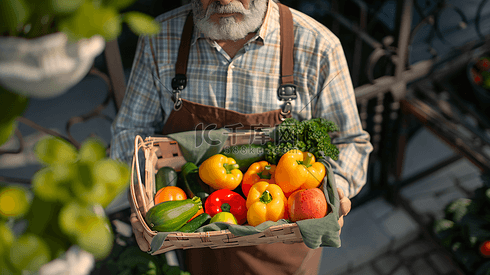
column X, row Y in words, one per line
column 46, row 66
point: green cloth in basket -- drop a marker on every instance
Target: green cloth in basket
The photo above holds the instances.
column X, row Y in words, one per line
column 315, row 232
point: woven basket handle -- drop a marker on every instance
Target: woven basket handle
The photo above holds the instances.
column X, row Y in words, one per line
column 141, row 199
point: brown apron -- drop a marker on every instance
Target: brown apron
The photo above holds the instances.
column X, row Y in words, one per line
column 268, row 259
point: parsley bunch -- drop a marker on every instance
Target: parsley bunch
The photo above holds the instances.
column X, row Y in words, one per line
column 308, row 135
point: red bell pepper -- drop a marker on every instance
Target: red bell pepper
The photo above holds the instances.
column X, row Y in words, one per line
column 225, row 200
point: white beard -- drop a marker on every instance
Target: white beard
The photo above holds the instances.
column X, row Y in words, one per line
column 228, row 28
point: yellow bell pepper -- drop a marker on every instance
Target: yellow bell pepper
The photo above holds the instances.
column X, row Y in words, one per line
column 298, row 170
column 266, row 202
column 258, row 171
column 220, row 172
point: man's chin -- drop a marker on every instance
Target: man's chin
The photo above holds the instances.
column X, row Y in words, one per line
column 227, row 29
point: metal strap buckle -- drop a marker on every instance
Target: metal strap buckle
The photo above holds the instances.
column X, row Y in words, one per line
column 179, row 82
column 287, row 92
column 177, row 100
column 286, row 110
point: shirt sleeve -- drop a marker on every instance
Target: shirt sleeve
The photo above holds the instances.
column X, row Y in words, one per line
column 336, row 102
column 141, row 112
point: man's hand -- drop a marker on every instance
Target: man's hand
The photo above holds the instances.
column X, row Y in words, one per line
column 138, row 230
column 345, row 206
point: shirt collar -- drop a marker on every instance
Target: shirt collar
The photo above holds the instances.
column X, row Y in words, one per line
column 265, row 28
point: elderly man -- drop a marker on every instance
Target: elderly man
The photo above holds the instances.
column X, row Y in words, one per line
column 243, row 62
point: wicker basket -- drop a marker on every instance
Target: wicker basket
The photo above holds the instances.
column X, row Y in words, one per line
column 163, row 151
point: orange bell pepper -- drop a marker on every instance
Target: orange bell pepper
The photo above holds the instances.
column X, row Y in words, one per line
column 258, row 171
column 220, row 172
column 298, row 170
column 266, row 202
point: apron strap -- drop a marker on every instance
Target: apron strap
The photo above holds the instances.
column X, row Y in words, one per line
column 179, row 82
column 287, row 44
column 287, row 90
column 183, row 56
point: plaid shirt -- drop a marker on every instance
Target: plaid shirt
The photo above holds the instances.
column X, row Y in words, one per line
column 247, row 83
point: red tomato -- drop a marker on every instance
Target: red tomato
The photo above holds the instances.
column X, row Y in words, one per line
column 485, row 249
column 225, row 200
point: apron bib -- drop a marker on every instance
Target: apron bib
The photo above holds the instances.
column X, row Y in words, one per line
column 267, row 259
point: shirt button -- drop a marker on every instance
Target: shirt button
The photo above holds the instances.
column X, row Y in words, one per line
column 232, row 66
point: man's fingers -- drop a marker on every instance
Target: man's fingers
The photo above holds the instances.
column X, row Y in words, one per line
column 341, row 193
column 341, row 223
column 142, row 243
column 136, row 223
column 345, row 203
column 148, row 239
column 345, row 206
column 138, row 232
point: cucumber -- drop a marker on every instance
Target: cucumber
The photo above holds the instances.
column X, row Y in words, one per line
column 190, row 177
column 245, row 155
column 195, row 223
column 169, row 216
column 166, row 176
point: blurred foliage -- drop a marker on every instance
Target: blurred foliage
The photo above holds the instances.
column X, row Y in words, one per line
column 13, row 105
column 466, row 227
column 64, row 206
column 77, row 18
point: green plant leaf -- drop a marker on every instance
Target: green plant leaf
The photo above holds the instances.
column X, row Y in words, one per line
column 53, row 150
column 445, row 231
column 47, row 185
column 91, row 232
column 141, row 24
column 457, row 209
column 92, row 150
column 91, row 19
column 13, row 105
column 41, row 215
column 6, row 267
column 14, row 201
column 107, row 171
column 119, row 4
column 87, row 190
column 13, row 13
column 95, row 237
column 64, row 6
column 29, row 252
column 6, row 239
column 7, row 130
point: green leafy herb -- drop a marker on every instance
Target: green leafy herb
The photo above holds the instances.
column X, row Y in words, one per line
column 308, row 135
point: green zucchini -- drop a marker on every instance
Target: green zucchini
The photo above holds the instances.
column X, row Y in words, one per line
column 195, row 223
column 171, row 215
column 190, row 177
column 245, row 155
column 166, row 176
